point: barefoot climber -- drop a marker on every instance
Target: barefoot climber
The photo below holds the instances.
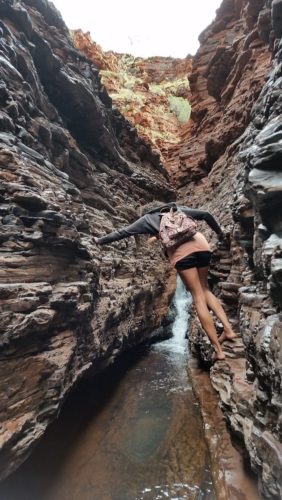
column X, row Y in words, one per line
column 191, row 259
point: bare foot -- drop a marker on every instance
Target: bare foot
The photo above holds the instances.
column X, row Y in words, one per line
column 227, row 336
column 218, row 356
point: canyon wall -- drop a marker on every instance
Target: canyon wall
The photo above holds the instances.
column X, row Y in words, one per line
column 151, row 93
column 72, row 168
column 230, row 163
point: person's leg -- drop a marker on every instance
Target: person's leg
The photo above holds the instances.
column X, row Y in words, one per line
column 214, row 304
column 190, row 278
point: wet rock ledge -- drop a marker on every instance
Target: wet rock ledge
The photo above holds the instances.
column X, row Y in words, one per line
column 71, row 168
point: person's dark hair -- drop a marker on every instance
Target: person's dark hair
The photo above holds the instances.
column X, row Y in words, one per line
column 154, row 206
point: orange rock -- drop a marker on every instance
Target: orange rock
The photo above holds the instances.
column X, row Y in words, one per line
column 143, row 90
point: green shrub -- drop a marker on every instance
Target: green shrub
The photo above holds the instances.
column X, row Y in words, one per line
column 180, row 107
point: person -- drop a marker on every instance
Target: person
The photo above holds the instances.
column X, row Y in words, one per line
column 191, row 260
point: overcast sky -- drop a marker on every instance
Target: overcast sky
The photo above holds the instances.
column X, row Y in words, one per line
column 141, row 27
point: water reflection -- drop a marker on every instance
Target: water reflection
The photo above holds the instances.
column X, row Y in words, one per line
column 132, row 433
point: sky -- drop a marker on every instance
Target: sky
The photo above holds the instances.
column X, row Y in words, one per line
column 141, row 27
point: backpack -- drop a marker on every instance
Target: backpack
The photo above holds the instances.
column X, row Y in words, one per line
column 176, row 228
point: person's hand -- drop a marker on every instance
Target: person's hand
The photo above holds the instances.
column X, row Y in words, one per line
column 224, row 237
column 151, row 240
column 96, row 240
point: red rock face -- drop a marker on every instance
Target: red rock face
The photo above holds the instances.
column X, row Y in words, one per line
column 226, row 78
column 152, row 93
column 84, row 42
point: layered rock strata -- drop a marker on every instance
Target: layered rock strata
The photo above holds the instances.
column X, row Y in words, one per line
column 227, row 76
column 71, row 168
column 231, row 164
column 231, row 477
column 152, row 93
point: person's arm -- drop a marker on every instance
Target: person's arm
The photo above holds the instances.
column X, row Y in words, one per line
column 206, row 216
column 138, row 227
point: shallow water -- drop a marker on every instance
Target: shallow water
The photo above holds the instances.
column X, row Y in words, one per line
column 131, row 433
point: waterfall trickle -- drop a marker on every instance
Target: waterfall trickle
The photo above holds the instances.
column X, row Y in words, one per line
column 177, row 345
column 182, row 302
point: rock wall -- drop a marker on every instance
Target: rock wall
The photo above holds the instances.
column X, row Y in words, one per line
column 230, row 163
column 71, row 168
column 227, row 76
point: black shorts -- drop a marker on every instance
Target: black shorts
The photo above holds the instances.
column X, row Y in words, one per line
column 195, row 259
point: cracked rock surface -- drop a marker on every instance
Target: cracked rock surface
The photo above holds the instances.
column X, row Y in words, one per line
column 72, row 168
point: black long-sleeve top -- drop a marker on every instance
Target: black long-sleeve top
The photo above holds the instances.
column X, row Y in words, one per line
column 150, row 224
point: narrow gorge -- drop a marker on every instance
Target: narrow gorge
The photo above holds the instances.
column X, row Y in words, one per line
column 86, row 139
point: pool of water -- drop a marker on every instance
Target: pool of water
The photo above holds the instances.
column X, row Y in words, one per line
column 133, row 432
